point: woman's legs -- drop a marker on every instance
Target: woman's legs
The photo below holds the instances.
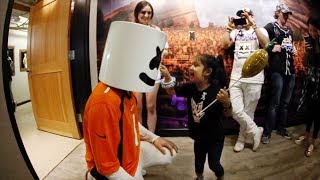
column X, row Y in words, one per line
column 151, row 100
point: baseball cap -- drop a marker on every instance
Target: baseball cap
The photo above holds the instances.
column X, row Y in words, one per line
column 244, row 10
column 283, row 8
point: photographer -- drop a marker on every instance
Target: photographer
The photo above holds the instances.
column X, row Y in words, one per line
column 246, row 37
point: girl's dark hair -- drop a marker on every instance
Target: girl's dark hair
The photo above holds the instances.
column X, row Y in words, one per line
column 218, row 77
column 138, row 8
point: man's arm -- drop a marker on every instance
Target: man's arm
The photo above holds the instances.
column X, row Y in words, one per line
column 147, row 135
column 262, row 35
column 227, row 40
column 103, row 141
column 157, row 141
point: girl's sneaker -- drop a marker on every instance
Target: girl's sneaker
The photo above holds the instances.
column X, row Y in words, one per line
column 300, row 139
column 199, row 178
column 309, row 151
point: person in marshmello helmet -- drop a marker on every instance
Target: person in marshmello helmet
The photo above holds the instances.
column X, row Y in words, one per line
column 117, row 145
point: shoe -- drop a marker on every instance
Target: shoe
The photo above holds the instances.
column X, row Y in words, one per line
column 257, row 138
column 238, row 146
column 199, row 177
column 143, row 172
column 309, row 150
column 220, row 178
column 300, row 140
column 265, row 139
column 284, row 133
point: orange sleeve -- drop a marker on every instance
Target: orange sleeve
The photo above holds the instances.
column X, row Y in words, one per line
column 104, row 136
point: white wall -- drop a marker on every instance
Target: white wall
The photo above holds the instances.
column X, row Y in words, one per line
column 20, row 85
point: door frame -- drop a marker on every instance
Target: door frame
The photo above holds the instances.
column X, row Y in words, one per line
column 18, row 168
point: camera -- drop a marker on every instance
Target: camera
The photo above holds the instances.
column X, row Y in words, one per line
column 239, row 21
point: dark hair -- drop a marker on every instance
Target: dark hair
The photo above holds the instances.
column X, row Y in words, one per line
column 138, row 8
column 218, row 77
column 314, row 22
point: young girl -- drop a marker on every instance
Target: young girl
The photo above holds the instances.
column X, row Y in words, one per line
column 208, row 81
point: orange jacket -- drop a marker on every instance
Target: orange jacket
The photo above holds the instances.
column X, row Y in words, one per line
column 102, row 133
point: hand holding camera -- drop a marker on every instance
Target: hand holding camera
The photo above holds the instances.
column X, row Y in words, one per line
column 230, row 25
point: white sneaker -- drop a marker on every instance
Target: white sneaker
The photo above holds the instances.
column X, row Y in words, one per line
column 257, row 138
column 300, row 140
column 143, row 172
column 238, row 146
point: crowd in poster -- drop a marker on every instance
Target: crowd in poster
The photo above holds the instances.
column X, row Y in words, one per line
column 197, row 26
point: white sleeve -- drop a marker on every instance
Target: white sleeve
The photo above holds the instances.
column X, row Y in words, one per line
column 150, row 137
column 120, row 174
column 264, row 32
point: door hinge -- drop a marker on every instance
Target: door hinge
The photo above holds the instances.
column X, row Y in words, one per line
column 72, row 55
column 78, row 117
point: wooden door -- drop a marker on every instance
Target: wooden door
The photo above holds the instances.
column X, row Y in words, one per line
column 49, row 75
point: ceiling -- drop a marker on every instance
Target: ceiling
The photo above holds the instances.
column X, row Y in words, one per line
column 20, row 14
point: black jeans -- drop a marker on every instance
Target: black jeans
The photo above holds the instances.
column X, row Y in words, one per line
column 311, row 118
column 214, row 150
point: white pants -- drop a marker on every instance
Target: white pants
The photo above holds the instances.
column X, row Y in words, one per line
column 149, row 156
column 244, row 98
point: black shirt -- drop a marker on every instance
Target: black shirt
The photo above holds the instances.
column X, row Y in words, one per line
column 209, row 127
column 281, row 62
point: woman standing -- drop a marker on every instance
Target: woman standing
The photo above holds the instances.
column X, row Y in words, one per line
column 311, row 89
column 143, row 14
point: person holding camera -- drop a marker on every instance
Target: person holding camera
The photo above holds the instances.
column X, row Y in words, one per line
column 246, row 37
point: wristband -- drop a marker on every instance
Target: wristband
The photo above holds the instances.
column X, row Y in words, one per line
column 170, row 84
column 254, row 27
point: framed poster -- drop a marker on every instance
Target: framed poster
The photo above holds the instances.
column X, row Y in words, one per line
column 193, row 29
column 10, row 58
column 23, row 60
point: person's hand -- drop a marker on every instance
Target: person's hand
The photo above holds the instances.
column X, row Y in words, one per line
column 161, row 143
column 230, row 25
column 276, row 48
column 223, row 96
column 250, row 21
column 164, row 71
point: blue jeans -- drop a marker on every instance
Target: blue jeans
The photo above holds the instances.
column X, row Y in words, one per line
column 281, row 91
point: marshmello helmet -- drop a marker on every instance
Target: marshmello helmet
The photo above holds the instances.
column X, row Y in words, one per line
column 132, row 56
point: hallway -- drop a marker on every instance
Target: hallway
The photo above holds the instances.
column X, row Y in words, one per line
column 280, row 159
column 45, row 150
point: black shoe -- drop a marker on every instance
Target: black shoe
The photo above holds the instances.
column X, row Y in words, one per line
column 284, row 133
